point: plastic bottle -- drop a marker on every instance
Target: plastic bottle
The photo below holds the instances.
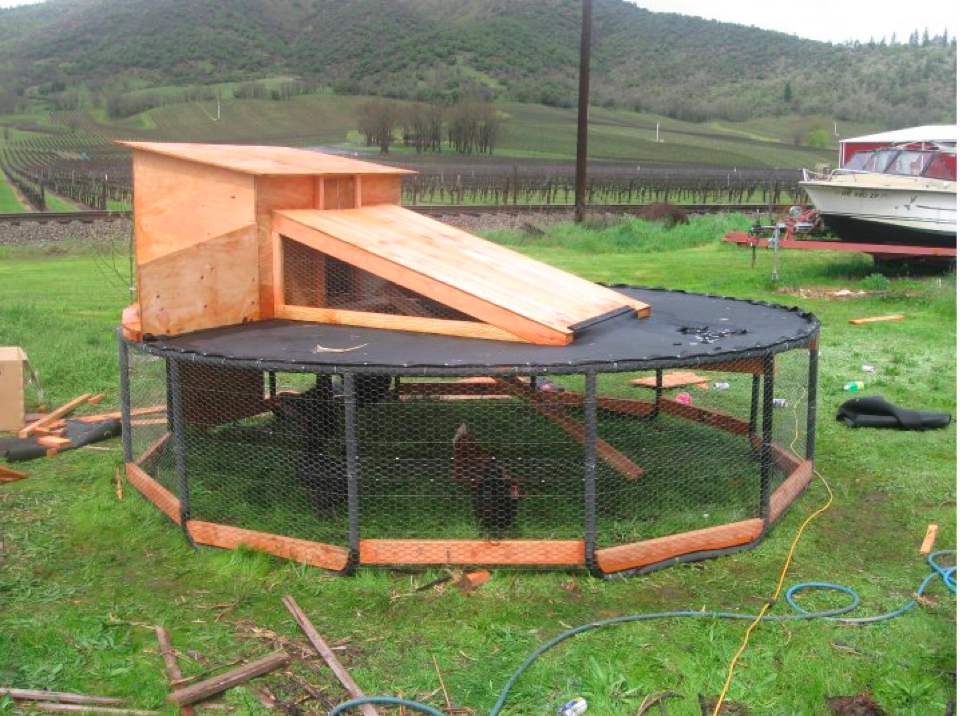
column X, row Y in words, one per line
column 855, row 386
column 780, row 403
column 574, row 707
column 721, row 386
column 868, row 369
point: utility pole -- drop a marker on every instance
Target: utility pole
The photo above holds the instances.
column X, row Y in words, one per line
column 583, row 109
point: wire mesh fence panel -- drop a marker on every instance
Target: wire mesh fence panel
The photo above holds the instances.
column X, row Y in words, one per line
column 150, row 428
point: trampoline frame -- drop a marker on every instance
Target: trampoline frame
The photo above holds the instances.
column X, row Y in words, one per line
column 620, row 561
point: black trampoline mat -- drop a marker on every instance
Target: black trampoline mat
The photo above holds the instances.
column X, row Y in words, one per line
column 682, row 327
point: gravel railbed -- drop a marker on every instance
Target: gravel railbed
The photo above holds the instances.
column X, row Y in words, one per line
column 52, row 232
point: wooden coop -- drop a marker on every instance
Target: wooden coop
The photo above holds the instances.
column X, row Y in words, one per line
column 314, row 371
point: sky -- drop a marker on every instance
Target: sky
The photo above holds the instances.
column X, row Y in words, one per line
column 826, row 20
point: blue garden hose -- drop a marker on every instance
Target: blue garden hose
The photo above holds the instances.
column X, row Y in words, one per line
column 947, row 575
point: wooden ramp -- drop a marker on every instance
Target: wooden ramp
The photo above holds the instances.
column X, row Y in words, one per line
column 501, row 293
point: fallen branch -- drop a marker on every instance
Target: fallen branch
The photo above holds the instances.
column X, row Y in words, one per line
column 170, row 662
column 61, row 696
column 75, row 708
column 234, row 677
column 328, row 656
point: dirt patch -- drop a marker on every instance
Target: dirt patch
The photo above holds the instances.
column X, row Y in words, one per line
column 861, row 705
column 828, row 293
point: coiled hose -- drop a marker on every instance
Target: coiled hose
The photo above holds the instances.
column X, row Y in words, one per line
column 947, row 576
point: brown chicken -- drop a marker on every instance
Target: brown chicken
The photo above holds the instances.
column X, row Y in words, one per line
column 494, row 491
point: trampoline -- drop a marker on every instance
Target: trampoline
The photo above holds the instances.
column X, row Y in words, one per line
column 343, row 446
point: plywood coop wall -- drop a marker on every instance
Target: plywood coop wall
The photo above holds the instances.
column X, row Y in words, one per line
column 214, row 222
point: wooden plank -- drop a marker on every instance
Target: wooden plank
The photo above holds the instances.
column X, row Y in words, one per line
column 170, row 663
column 472, row 552
column 928, row 539
column 276, row 192
column 713, row 418
column 178, row 203
column 453, row 267
column 220, row 683
column 380, row 189
column 672, row 379
column 388, row 321
column 315, row 554
column 471, row 387
column 447, row 294
column 262, row 160
column 206, row 285
column 753, row 366
column 50, row 417
column 605, row 451
column 117, row 415
column 153, row 448
column 652, row 551
column 790, row 489
column 214, row 395
column 7, row 475
column 327, row 654
column 130, row 324
column 52, row 441
column 876, row 319
column 156, row 493
column 63, row 697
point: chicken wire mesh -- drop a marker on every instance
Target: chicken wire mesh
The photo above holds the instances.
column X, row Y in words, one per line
column 392, row 468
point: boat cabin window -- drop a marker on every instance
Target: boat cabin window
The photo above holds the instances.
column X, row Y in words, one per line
column 942, row 166
column 873, row 161
column 909, row 163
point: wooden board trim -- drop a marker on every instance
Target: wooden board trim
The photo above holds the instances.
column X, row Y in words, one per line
column 605, row 451
column 156, row 493
column 316, row 554
column 472, row 552
column 530, row 330
column 153, row 448
column 791, row 488
column 387, row 321
column 752, row 366
column 433, row 388
column 652, row 551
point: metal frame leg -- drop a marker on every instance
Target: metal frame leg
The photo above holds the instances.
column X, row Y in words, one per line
column 590, row 472
column 126, row 436
column 812, row 399
column 179, row 447
column 353, row 492
column 766, row 452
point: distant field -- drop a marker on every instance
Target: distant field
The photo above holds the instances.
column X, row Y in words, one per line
column 8, row 199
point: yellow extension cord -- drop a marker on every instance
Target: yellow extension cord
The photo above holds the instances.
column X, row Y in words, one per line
column 783, row 573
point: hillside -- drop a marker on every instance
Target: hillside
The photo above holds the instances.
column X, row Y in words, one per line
column 76, row 53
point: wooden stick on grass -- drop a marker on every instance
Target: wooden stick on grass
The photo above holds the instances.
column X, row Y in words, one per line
column 170, row 662
column 64, row 409
column 328, row 656
column 234, row 677
column 76, row 708
column 61, row 696
column 876, row 319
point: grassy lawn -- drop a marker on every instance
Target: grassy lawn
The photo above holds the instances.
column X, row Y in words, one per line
column 9, row 203
column 86, row 573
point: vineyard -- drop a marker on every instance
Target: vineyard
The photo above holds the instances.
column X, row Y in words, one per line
column 72, row 154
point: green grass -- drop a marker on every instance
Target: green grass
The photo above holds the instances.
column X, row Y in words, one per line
column 9, row 203
column 85, row 572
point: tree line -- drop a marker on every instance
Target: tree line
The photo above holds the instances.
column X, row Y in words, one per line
column 470, row 126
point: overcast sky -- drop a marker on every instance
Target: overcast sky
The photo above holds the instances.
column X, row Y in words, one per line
column 827, row 20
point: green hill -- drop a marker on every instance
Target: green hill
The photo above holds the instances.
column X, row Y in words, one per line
column 76, row 53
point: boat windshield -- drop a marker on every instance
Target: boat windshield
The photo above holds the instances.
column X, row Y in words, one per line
column 905, row 162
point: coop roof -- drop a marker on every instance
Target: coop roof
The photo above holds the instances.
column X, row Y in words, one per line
column 264, row 161
column 526, row 298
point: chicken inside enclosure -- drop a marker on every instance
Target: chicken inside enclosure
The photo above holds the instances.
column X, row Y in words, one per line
column 495, row 492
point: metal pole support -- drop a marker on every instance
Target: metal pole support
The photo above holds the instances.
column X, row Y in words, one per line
column 179, row 445
column 812, row 374
column 126, row 436
column 353, row 491
column 590, row 472
column 766, row 450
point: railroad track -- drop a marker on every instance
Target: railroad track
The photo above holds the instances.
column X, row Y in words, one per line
column 87, row 217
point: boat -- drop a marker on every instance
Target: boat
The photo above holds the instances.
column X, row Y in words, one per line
column 888, row 192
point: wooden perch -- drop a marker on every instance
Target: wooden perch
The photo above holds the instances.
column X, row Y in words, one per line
column 876, row 319
column 64, row 409
column 328, row 656
column 605, row 451
column 61, row 696
column 234, row 677
column 170, row 662
column 8, row 475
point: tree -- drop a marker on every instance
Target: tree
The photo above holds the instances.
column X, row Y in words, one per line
column 377, row 120
column 787, row 93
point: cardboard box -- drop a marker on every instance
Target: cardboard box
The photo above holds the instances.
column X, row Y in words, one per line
column 12, row 366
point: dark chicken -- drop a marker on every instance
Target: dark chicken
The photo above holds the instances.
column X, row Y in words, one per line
column 495, row 499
